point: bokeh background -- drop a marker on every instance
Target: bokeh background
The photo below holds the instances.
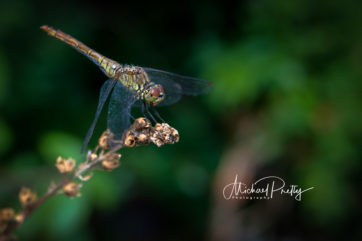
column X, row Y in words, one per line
column 286, row 102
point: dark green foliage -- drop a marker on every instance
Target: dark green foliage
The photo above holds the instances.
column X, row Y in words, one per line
column 293, row 66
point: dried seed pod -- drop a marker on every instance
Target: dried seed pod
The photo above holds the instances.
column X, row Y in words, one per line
column 111, row 161
column 141, row 132
column 65, row 166
column 105, row 139
column 143, row 139
column 19, row 218
column 92, row 156
column 130, row 140
column 171, row 135
column 157, row 139
column 72, row 189
column 141, row 123
column 6, row 214
column 27, row 197
column 164, row 134
column 158, row 142
column 158, row 127
column 175, row 135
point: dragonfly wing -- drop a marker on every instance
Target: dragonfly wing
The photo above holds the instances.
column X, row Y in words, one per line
column 119, row 110
column 104, row 93
column 177, row 85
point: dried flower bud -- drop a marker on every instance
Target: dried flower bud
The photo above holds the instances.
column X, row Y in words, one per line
column 164, row 134
column 141, row 132
column 65, row 166
column 93, row 156
column 105, row 139
column 157, row 141
column 143, row 139
column 111, row 161
column 130, row 140
column 158, row 127
column 6, row 214
column 72, row 189
column 19, row 218
column 27, row 197
column 175, row 134
column 141, row 123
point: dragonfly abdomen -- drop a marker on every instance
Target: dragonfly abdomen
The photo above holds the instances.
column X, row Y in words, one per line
column 108, row 66
column 133, row 78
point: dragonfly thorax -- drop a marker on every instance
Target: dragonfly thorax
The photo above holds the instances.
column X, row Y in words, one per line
column 137, row 81
column 154, row 94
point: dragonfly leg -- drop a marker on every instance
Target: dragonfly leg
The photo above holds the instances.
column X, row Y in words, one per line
column 144, row 108
column 149, row 113
column 158, row 114
column 130, row 115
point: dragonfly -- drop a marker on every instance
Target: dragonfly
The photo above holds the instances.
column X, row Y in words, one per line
column 130, row 86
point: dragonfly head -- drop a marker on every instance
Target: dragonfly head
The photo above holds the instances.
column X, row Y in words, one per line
column 154, row 94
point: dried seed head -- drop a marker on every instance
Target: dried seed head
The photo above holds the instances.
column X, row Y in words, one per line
column 92, row 156
column 111, row 161
column 158, row 127
column 141, row 123
column 19, row 218
column 6, row 214
column 157, row 141
column 106, row 139
column 143, row 139
column 65, row 166
column 72, row 189
column 130, row 140
column 141, row 132
column 27, row 197
column 164, row 134
column 175, row 134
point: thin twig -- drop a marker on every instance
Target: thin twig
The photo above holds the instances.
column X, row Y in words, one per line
column 104, row 154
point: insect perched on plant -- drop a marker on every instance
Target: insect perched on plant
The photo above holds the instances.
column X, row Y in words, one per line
column 130, row 84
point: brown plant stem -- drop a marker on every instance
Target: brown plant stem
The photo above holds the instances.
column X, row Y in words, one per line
column 28, row 211
column 104, row 154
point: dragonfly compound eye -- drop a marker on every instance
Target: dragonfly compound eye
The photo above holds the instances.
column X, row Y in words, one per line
column 156, row 91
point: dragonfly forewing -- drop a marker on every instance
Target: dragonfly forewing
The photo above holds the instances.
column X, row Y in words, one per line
column 103, row 96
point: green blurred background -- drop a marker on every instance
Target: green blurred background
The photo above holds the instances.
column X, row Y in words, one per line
column 286, row 102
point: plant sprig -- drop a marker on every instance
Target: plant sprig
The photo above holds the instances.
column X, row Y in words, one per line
column 104, row 156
